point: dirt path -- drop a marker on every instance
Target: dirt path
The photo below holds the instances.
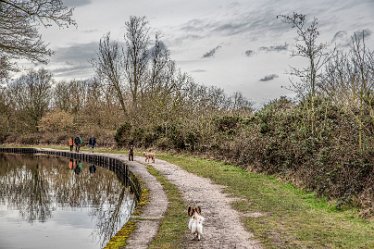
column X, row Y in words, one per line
column 222, row 227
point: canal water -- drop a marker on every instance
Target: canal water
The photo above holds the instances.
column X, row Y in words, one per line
column 53, row 202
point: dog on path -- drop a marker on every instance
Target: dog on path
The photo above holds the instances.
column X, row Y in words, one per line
column 196, row 221
column 149, row 156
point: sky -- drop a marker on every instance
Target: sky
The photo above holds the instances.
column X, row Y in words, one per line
column 238, row 45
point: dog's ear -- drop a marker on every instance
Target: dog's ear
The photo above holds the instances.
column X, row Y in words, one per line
column 190, row 211
column 198, row 209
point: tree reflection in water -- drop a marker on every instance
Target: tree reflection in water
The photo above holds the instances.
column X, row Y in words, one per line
column 38, row 185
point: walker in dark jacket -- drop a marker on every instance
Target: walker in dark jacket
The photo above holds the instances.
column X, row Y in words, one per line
column 92, row 142
column 78, row 143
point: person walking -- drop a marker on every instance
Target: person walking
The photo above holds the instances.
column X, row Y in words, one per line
column 92, row 143
column 131, row 153
column 78, row 142
column 71, row 143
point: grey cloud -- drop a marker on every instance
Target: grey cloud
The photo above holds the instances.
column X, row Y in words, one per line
column 269, row 77
column 76, row 59
column 351, row 4
column 228, row 28
column 276, row 48
column 233, row 4
column 90, row 30
column 195, row 25
column 186, row 62
column 212, row 52
column 73, row 71
column 77, row 53
column 249, row 53
column 183, row 38
column 68, row 69
column 341, row 38
column 76, row 3
column 339, row 35
column 161, row 49
column 262, row 20
column 198, row 71
column 232, row 28
column 363, row 33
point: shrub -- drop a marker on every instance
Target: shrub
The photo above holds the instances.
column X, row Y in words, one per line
column 57, row 121
column 123, row 135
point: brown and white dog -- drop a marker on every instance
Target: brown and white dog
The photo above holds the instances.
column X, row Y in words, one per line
column 149, row 156
column 196, row 221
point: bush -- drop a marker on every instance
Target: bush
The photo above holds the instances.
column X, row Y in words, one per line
column 227, row 124
column 57, row 121
column 123, row 135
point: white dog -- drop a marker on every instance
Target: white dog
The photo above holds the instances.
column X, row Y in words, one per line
column 196, row 221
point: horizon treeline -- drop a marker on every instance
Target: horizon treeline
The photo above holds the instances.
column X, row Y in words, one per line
column 323, row 140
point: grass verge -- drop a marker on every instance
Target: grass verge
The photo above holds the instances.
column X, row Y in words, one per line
column 173, row 226
column 289, row 217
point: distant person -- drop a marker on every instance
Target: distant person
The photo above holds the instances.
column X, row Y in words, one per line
column 78, row 143
column 92, row 169
column 80, row 165
column 71, row 143
column 92, row 143
column 78, row 168
column 71, row 163
column 131, row 153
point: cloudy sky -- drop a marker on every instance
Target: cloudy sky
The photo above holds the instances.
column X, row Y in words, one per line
column 238, row 45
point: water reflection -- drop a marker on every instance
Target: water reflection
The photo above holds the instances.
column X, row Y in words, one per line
column 40, row 187
column 92, row 169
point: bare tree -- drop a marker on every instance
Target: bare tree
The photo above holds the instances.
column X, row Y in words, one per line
column 110, row 67
column 129, row 69
column 360, row 59
column 308, row 47
column 5, row 113
column 19, row 21
column 137, row 55
column 31, row 94
column 241, row 105
column 61, row 96
column 159, row 57
column 348, row 81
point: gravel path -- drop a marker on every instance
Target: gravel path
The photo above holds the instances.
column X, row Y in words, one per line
column 222, row 226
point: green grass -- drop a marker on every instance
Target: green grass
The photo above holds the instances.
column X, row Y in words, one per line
column 173, row 225
column 292, row 217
